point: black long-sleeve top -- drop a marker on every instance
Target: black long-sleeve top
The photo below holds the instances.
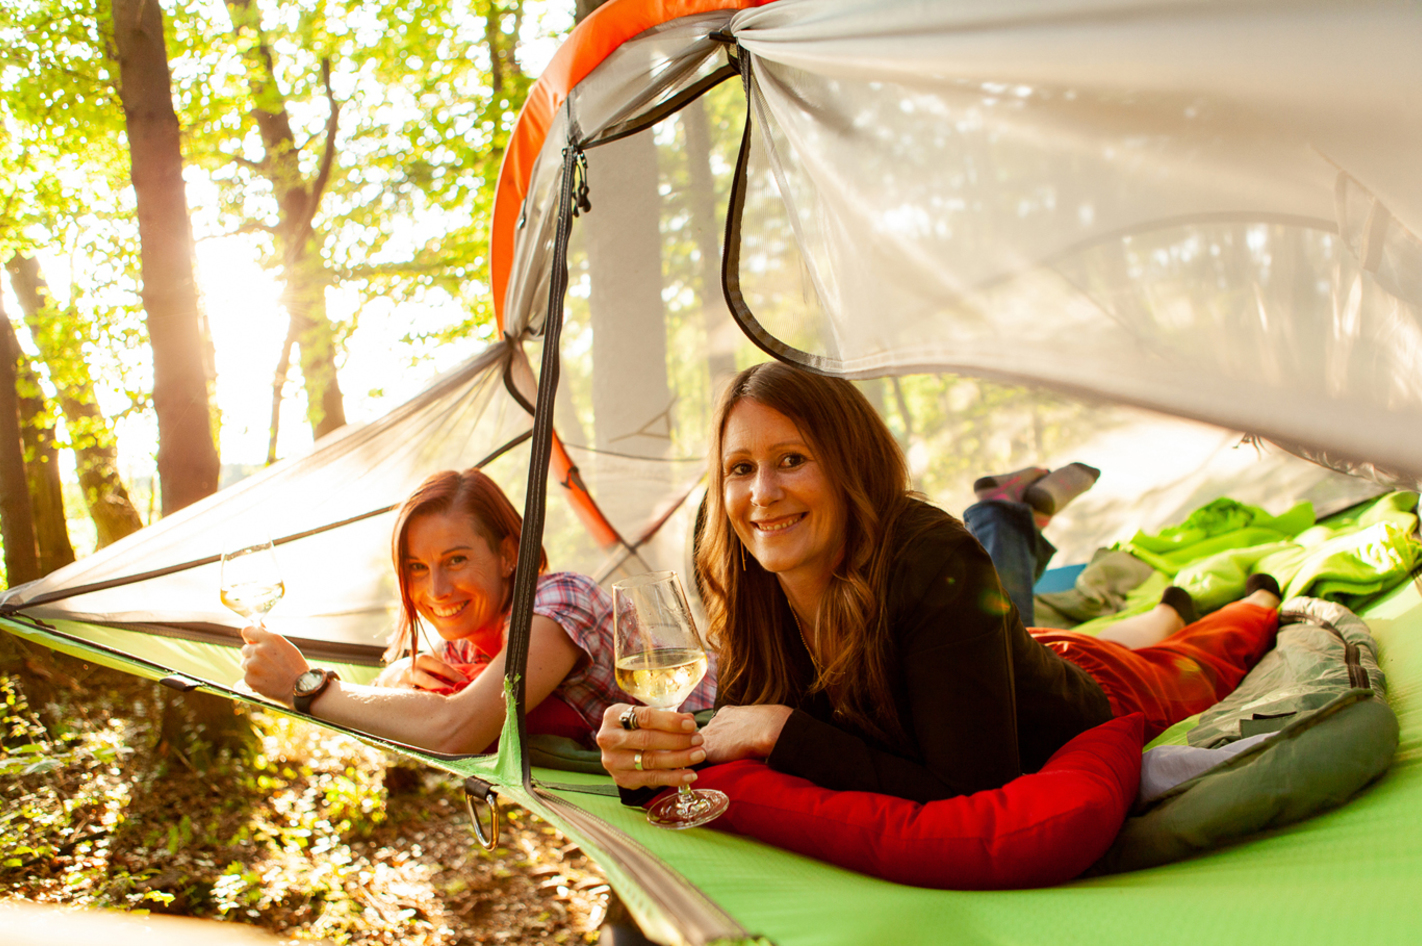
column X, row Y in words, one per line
column 979, row 700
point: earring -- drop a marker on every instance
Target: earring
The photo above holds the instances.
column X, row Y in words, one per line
column 742, row 547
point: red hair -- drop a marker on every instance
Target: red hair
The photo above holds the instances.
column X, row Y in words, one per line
column 491, row 514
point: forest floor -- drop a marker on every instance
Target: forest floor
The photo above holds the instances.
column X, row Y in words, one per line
column 305, row 833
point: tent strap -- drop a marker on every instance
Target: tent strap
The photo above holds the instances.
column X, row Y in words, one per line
column 531, row 537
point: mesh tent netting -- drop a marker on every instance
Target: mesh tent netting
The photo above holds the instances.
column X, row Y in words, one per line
column 1207, row 210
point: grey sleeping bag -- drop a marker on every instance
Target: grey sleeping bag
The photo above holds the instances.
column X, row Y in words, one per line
column 1328, row 737
column 1323, row 649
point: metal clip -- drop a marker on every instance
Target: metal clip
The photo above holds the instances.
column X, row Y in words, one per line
column 581, row 204
column 485, row 792
column 179, row 682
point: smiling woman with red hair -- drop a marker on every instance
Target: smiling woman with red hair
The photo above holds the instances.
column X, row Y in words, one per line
column 455, row 548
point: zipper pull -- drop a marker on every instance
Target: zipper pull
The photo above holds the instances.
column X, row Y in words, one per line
column 581, row 203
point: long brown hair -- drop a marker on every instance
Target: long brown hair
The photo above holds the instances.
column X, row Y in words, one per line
column 750, row 619
column 491, row 514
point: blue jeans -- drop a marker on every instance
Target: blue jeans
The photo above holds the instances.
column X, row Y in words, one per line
column 1017, row 548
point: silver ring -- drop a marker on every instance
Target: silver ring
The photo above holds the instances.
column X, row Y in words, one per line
column 637, row 761
column 629, row 718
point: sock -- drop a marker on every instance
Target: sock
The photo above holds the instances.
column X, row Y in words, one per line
column 1179, row 599
column 1053, row 491
column 1262, row 581
column 1007, row 487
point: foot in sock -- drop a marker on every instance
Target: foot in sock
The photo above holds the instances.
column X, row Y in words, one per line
column 1007, row 487
column 1179, row 599
column 1263, row 589
column 1052, row 492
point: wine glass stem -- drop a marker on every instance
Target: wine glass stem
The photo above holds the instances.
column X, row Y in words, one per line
column 685, row 801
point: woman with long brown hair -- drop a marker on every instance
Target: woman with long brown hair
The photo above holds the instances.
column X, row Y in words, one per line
column 865, row 640
column 455, row 548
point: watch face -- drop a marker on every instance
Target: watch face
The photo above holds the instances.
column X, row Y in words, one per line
column 309, row 681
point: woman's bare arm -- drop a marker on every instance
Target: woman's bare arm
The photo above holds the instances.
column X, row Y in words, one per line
column 463, row 723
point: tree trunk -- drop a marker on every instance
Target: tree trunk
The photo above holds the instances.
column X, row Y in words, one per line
column 92, row 438
column 41, row 466
column 583, row 8
column 503, row 44
column 187, row 455
column 17, row 525
column 721, row 332
column 303, row 270
column 42, row 470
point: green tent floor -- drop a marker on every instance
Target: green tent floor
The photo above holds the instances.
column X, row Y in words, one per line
column 1350, row 875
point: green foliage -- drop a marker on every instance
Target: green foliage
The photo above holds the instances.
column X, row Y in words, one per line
column 61, row 791
column 301, row 837
column 422, row 127
column 64, row 188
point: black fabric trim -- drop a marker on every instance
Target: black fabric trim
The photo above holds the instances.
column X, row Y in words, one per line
column 731, row 249
column 512, row 388
column 671, row 106
column 531, row 537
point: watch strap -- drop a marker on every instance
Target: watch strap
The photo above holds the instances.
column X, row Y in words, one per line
column 303, row 701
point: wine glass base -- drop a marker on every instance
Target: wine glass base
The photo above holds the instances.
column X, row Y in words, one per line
column 688, row 810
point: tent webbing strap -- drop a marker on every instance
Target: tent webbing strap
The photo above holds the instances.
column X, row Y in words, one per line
column 74, row 592
column 531, row 535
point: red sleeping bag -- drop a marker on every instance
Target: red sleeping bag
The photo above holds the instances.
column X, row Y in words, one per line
column 1035, row 831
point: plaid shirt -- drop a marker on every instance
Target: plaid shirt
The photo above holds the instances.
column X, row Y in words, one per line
column 584, row 611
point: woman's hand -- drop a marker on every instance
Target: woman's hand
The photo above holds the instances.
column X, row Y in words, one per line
column 427, row 673
column 271, row 663
column 744, row 732
column 665, row 743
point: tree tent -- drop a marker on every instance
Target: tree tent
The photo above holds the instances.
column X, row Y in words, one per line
column 1203, row 209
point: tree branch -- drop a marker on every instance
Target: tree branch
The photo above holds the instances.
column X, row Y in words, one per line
column 245, row 162
column 279, row 385
column 328, row 158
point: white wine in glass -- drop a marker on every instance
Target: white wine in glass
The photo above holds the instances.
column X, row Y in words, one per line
column 251, row 581
column 660, row 660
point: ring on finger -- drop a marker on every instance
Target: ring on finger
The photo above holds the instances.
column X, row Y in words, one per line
column 628, row 719
column 637, row 761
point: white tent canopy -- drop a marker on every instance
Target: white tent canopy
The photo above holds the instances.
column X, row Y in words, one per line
column 1207, row 209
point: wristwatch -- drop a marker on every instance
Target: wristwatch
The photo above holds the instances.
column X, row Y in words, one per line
column 310, row 685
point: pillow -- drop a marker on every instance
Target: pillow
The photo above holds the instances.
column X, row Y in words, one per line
column 1035, row 831
column 553, row 717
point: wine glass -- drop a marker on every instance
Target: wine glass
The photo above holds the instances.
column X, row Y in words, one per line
column 251, row 582
column 660, row 660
